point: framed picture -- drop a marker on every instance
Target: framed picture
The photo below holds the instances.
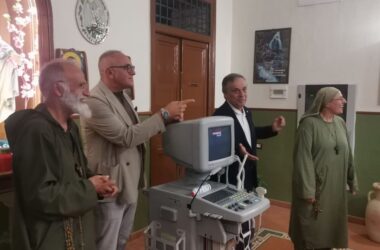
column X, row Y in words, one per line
column 272, row 50
column 77, row 56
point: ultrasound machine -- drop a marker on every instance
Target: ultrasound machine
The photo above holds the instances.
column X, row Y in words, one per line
column 195, row 213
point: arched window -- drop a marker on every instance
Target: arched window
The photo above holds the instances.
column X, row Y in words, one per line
column 25, row 43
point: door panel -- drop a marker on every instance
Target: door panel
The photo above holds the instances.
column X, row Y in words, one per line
column 194, row 77
column 180, row 71
column 165, row 88
column 166, row 71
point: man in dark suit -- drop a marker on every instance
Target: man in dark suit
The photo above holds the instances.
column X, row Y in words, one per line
column 234, row 88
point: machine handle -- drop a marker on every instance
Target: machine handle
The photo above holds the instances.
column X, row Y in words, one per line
column 370, row 194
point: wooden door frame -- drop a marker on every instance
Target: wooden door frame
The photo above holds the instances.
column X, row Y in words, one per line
column 45, row 30
column 45, row 36
column 180, row 33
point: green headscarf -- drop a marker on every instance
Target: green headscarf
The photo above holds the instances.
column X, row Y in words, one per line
column 324, row 96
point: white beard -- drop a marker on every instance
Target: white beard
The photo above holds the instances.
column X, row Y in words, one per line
column 75, row 104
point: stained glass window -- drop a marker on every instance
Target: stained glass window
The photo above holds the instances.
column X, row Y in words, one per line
column 190, row 15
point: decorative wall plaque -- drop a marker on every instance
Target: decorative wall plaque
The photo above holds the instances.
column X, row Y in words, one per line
column 78, row 57
column 93, row 20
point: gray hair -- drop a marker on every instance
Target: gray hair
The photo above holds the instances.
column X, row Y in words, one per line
column 228, row 79
column 108, row 54
column 53, row 72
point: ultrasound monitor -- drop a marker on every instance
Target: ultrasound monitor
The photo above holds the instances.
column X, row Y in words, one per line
column 202, row 145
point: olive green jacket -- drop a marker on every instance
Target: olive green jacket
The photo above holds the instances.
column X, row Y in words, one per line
column 323, row 167
column 54, row 199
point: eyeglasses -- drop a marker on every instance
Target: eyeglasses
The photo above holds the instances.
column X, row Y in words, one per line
column 128, row 67
column 339, row 99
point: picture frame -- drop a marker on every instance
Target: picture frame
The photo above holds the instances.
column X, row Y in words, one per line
column 77, row 56
column 271, row 56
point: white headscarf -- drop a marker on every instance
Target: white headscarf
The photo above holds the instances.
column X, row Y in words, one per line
column 323, row 97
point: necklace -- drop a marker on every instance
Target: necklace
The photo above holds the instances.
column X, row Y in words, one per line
column 331, row 123
column 68, row 225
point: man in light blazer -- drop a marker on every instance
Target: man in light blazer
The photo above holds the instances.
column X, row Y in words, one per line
column 115, row 145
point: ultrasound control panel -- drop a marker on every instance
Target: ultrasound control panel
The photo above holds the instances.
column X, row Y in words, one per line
column 221, row 201
column 233, row 200
column 230, row 204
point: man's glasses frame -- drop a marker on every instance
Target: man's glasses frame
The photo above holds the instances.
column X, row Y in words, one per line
column 128, row 67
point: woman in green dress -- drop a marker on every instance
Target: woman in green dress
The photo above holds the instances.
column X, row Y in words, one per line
column 323, row 166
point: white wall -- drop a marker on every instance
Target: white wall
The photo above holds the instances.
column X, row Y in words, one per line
column 129, row 32
column 223, row 46
column 333, row 43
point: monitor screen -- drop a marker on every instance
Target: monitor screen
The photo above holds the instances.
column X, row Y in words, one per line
column 219, row 142
column 202, row 145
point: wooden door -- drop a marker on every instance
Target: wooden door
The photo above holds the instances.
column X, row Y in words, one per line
column 180, row 71
column 166, row 86
column 194, row 77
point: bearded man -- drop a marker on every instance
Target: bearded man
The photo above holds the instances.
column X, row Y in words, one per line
column 55, row 192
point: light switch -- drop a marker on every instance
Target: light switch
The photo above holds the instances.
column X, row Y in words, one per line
column 279, row 92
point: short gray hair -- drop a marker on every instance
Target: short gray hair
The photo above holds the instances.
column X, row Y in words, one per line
column 107, row 54
column 228, row 79
column 52, row 72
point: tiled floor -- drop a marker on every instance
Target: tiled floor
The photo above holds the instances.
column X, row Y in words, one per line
column 277, row 218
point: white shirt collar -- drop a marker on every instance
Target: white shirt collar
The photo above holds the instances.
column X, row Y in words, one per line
column 243, row 120
column 237, row 111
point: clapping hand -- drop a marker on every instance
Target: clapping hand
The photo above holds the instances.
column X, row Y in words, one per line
column 310, row 200
column 104, row 186
column 278, row 124
column 243, row 151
